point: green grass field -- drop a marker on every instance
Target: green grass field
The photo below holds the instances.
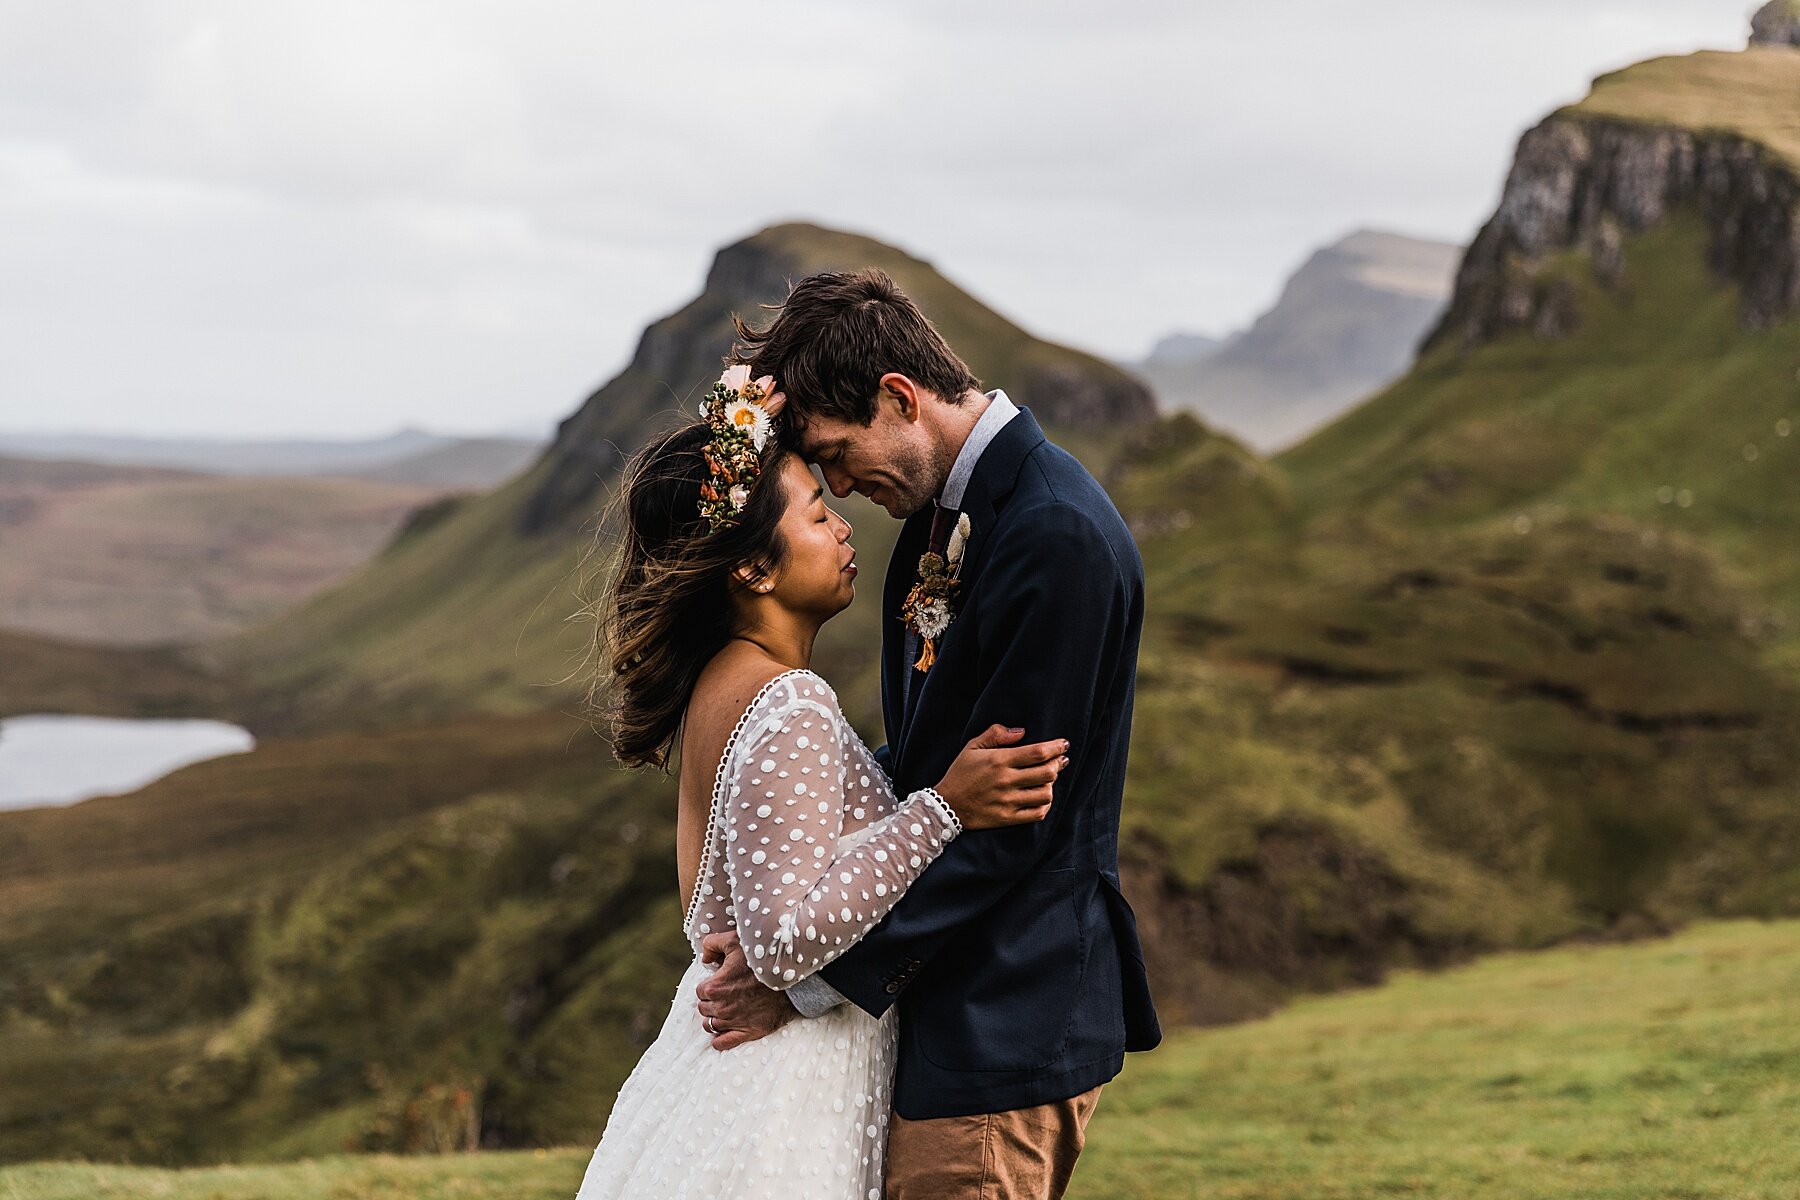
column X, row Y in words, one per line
column 1664, row 1068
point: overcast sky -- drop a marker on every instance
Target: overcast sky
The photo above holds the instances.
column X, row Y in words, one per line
column 324, row 217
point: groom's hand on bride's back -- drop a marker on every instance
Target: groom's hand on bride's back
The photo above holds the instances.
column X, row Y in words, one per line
column 734, row 1006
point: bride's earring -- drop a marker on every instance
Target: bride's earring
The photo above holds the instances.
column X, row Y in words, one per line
column 754, row 579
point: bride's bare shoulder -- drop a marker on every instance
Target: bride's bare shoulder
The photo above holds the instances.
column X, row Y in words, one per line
column 726, row 687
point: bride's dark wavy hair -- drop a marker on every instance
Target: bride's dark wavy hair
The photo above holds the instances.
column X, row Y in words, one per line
column 668, row 607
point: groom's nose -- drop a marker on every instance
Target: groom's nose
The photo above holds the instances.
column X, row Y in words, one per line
column 840, row 484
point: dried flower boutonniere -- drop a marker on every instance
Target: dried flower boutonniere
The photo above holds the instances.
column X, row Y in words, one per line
column 931, row 605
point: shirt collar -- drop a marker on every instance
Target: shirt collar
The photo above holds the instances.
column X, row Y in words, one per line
column 999, row 411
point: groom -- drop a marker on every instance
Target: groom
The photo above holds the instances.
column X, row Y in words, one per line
column 1013, row 958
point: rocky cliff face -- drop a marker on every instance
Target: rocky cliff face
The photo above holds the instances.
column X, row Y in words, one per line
column 1588, row 183
column 681, row 353
column 1776, row 23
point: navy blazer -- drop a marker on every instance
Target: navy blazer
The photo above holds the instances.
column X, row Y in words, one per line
column 1014, row 959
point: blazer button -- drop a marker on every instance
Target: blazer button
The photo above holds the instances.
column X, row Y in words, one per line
column 893, row 987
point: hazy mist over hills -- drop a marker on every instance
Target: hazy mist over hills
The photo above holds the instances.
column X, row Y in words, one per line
column 481, row 461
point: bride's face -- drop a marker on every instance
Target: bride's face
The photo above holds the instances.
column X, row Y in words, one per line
column 819, row 575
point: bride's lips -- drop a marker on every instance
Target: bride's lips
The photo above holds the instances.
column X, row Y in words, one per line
column 850, row 567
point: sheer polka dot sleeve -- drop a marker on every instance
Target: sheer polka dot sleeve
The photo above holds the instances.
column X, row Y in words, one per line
column 816, row 849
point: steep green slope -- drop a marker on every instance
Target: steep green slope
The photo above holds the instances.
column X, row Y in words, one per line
column 1661, row 412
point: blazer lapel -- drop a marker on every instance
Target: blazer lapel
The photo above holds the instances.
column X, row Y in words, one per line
column 903, row 569
column 996, row 473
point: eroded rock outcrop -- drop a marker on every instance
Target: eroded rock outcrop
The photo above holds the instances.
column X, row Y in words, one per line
column 1776, row 23
column 1588, row 183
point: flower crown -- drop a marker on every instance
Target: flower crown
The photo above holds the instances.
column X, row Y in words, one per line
column 741, row 412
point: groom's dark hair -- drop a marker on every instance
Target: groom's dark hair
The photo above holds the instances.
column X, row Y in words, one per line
column 834, row 338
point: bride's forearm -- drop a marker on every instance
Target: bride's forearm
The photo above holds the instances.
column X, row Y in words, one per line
column 788, row 938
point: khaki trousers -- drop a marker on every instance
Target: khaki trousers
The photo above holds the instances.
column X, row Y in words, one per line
column 1024, row 1154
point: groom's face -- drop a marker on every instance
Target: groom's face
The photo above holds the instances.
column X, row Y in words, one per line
column 890, row 460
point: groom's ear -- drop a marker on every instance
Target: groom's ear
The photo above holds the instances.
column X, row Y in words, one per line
column 906, row 396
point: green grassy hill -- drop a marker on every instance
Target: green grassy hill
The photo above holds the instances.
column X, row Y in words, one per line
column 1627, row 1072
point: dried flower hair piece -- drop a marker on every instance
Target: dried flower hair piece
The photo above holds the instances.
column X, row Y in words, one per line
column 741, row 412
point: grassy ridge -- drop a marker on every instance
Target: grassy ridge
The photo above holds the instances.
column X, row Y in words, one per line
column 1747, row 92
column 1616, row 1072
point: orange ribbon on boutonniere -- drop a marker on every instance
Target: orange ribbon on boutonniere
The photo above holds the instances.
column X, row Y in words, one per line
column 931, row 604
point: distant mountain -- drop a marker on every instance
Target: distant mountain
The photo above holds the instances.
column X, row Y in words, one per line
column 680, row 353
column 1182, row 349
column 1347, row 322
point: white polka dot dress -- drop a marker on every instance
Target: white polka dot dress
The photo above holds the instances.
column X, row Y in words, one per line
column 806, row 850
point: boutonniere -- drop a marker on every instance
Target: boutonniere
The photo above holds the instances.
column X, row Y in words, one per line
column 931, row 605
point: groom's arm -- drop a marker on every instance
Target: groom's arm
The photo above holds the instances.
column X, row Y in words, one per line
column 1056, row 604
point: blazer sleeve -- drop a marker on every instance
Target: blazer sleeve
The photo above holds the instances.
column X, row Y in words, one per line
column 1052, row 622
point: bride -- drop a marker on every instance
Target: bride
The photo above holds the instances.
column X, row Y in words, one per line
column 787, row 831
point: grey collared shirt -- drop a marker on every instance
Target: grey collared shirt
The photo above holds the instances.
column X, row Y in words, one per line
column 812, row 996
column 993, row 419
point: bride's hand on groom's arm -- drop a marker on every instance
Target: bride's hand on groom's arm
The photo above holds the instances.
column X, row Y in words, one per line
column 994, row 783
column 735, row 1007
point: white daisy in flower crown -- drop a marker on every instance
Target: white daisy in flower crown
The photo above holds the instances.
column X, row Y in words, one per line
column 741, row 412
column 752, row 419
